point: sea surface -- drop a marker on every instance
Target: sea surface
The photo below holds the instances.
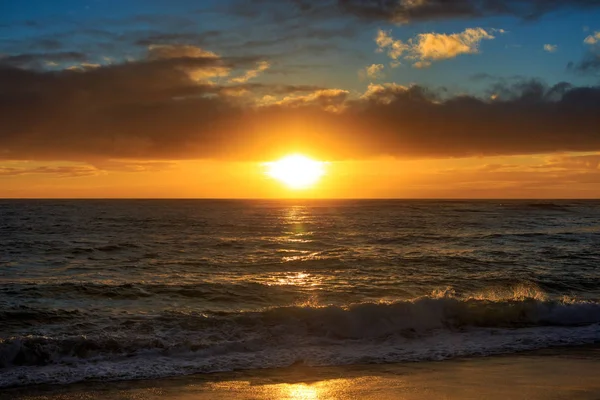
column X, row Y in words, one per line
column 132, row 289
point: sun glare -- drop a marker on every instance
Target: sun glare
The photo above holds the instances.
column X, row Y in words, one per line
column 296, row 171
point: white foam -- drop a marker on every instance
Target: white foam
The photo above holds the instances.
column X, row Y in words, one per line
column 442, row 345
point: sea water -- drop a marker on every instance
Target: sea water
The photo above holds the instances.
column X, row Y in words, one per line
column 132, row 289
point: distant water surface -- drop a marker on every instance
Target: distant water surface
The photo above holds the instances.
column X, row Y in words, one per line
column 124, row 289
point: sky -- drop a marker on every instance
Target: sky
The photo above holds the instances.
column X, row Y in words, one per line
column 400, row 98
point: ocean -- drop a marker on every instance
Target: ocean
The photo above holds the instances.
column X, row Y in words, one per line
column 144, row 289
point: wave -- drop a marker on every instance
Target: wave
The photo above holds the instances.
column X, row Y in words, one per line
column 180, row 343
column 30, row 315
column 548, row 206
column 130, row 291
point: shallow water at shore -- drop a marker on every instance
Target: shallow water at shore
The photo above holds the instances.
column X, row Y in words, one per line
column 563, row 373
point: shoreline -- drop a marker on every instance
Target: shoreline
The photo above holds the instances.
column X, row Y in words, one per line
column 553, row 373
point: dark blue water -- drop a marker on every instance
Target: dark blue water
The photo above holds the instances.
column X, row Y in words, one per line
column 143, row 289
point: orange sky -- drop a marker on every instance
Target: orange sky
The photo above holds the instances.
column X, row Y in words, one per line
column 544, row 176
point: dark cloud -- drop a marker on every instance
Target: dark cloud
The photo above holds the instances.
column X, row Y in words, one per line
column 525, row 118
column 402, row 10
column 158, row 109
column 589, row 65
column 40, row 60
column 423, row 10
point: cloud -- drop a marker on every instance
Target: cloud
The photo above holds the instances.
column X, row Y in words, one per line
column 435, row 46
column 383, row 93
column 373, row 71
column 590, row 162
column 395, row 48
column 91, row 169
column 60, row 171
column 82, row 66
column 188, row 52
column 590, row 63
column 401, row 11
column 327, row 99
column 550, row 48
column 422, row 64
column 155, row 110
column 41, row 60
column 132, row 165
column 429, row 47
column 405, row 11
column 169, row 51
column 253, row 73
column 593, row 39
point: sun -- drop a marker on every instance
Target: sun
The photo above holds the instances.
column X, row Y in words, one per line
column 296, row 171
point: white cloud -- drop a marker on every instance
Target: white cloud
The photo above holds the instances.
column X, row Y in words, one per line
column 329, row 99
column 253, row 73
column 383, row 93
column 436, row 46
column 593, row 39
column 550, row 48
column 422, row 64
column 395, row 48
column 428, row 47
column 374, row 71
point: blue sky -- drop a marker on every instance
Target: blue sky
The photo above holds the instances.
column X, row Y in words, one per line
column 109, row 29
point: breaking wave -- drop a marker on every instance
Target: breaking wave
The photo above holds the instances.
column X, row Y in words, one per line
column 428, row 328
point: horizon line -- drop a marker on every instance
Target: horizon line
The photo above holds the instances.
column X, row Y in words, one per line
column 315, row 198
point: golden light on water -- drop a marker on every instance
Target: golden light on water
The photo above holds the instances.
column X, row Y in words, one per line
column 301, row 392
column 316, row 390
column 296, row 171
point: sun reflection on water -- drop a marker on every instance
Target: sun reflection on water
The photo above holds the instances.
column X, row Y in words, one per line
column 326, row 389
column 298, row 279
column 300, row 392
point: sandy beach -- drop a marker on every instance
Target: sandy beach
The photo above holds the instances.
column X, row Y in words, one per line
column 549, row 374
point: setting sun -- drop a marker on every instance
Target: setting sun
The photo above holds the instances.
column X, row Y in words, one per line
column 296, row 171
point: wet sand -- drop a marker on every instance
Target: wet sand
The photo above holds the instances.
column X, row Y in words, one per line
column 549, row 374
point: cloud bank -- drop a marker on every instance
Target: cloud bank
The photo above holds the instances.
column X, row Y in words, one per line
column 168, row 106
column 406, row 11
